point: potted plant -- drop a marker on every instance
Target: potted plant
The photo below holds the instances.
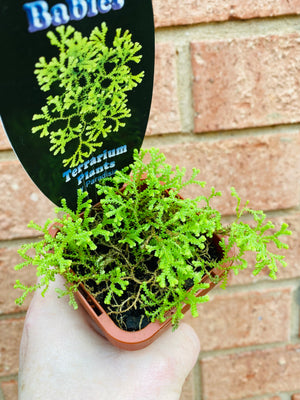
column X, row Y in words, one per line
column 143, row 255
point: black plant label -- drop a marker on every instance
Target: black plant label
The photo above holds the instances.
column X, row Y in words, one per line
column 75, row 88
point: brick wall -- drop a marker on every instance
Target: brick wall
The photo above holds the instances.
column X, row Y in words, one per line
column 227, row 101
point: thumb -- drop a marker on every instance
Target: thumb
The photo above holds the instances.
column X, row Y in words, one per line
column 168, row 361
column 182, row 345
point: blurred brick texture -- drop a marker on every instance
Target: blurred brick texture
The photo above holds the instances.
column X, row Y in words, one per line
column 227, row 101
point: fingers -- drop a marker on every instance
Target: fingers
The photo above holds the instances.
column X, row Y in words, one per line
column 52, row 319
column 58, row 344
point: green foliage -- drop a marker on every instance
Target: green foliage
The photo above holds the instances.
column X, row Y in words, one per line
column 145, row 247
column 56, row 256
column 92, row 81
column 256, row 238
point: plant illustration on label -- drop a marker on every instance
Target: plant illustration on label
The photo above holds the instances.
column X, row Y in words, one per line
column 40, row 17
column 93, row 81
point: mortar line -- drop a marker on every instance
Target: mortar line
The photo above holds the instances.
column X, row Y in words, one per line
column 10, row 316
column 184, row 88
column 247, row 349
column 181, row 137
column 265, row 284
column 7, row 155
column 16, row 243
column 260, row 397
column 198, row 384
column 290, row 127
column 295, row 315
column 7, row 378
column 270, row 214
column 230, row 29
column 283, row 395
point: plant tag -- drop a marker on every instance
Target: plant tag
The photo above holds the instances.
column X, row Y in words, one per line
column 76, row 82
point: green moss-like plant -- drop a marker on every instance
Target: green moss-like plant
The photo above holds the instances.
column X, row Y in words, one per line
column 93, row 80
column 143, row 247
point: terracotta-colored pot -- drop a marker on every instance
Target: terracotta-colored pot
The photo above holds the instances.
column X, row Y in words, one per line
column 134, row 340
column 138, row 339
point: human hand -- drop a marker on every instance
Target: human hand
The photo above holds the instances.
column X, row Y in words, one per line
column 63, row 357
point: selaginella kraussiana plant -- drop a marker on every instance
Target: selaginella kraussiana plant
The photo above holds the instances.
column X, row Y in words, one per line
column 93, row 81
column 143, row 246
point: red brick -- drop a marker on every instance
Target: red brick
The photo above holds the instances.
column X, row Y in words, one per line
column 248, row 82
column 243, row 319
column 248, row 374
column 8, row 259
column 185, row 12
column 4, row 142
column 10, row 334
column 164, row 115
column 10, row 390
column 264, row 169
column 292, row 255
column 21, row 201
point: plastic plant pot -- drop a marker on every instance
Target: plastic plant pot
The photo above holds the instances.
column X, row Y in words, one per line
column 135, row 340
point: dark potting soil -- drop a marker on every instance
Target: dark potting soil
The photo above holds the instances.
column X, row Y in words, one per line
column 133, row 318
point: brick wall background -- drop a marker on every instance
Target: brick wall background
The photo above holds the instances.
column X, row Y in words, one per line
column 227, row 101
